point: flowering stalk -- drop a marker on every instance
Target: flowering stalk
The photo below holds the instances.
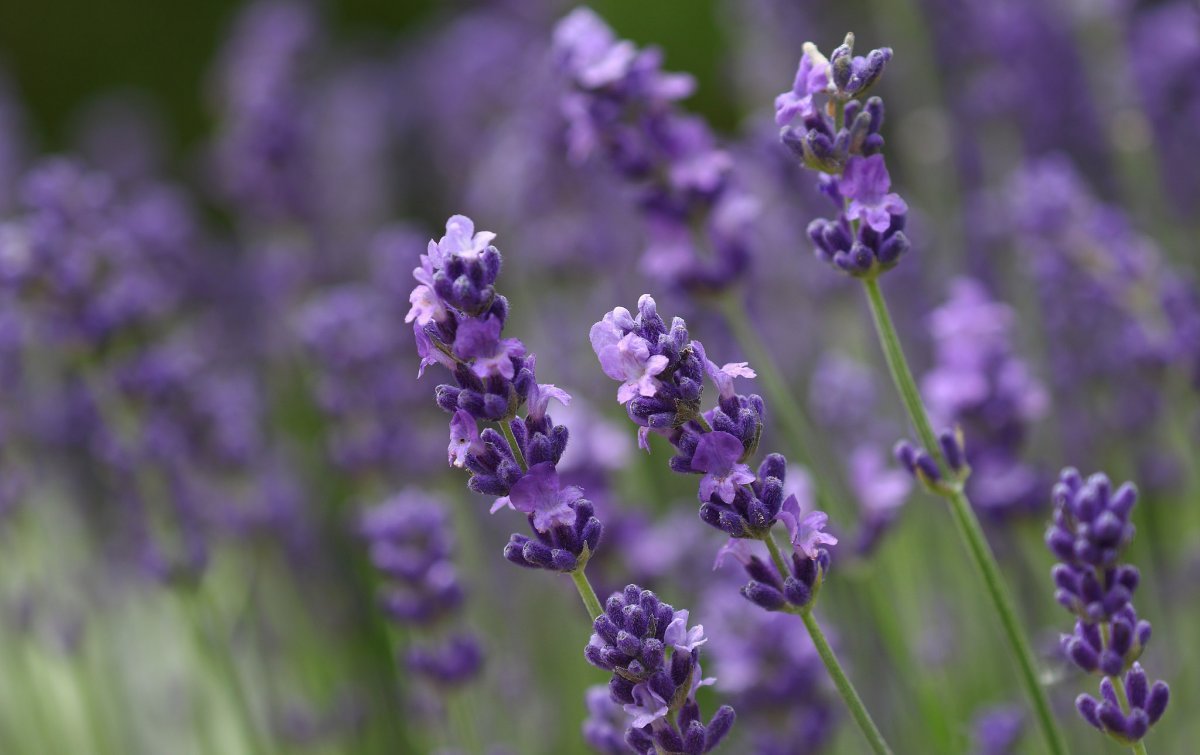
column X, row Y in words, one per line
column 662, row 373
column 833, row 133
column 1088, row 534
column 458, row 322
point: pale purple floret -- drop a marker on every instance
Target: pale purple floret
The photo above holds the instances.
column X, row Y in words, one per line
column 541, row 493
column 723, row 376
column 464, row 438
column 649, row 706
column 865, row 182
column 740, row 548
column 626, row 357
column 805, row 531
column 718, row 455
column 480, row 340
column 592, row 52
column 812, row 77
column 460, row 240
column 537, row 400
column 426, row 306
column 430, row 354
column 680, row 637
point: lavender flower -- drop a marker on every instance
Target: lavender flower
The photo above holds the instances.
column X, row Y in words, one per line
column 1090, row 530
column 622, row 104
column 997, row 730
column 495, row 379
column 838, row 136
column 1146, row 704
column 717, row 444
column 411, row 545
column 654, row 658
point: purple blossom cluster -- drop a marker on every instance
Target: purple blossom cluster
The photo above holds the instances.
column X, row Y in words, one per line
column 1089, row 533
column 834, row 133
column 457, row 319
column 624, row 107
column 411, row 545
column 662, row 372
column 979, row 384
column 654, row 657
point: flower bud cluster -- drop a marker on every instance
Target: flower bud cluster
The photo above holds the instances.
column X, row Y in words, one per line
column 410, row 546
column 654, row 658
column 1089, row 532
column 458, row 318
column 622, row 105
column 831, row 131
column 665, row 397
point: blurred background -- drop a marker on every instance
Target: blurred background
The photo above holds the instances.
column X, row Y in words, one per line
column 214, row 451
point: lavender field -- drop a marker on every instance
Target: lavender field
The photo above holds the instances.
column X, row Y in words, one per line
column 660, row 377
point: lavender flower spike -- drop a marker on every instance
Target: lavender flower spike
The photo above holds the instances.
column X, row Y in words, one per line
column 1089, row 533
column 495, row 379
column 655, row 661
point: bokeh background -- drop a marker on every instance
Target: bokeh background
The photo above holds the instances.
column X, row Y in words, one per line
column 207, row 380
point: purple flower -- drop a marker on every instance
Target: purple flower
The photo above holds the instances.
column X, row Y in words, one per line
column 460, row 241
column 865, row 181
column 430, row 354
column 655, row 663
column 723, row 376
column 812, row 77
column 680, row 637
column 479, row 339
column 541, row 494
column 740, row 548
column 426, row 306
column 805, row 531
column 464, row 438
column 537, row 399
column 626, row 357
column 718, row 455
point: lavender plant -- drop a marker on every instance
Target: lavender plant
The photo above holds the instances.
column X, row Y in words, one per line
column 832, row 132
column 1089, row 533
column 458, row 319
column 662, row 373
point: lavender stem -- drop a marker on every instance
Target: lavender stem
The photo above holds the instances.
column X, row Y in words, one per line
column 586, row 593
column 964, row 516
column 512, row 443
column 844, row 686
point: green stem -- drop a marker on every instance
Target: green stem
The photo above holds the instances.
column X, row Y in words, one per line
column 902, row 376
column 512, row 443
column 777, row 557
column 964, row 518
column 203, row 620
column 844, row 686
column 590, row 601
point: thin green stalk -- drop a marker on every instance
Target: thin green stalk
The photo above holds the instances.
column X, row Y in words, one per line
column 590, row 601
column 964, row 518
column 844, row 686
column 202, row 620
column 512, row 443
